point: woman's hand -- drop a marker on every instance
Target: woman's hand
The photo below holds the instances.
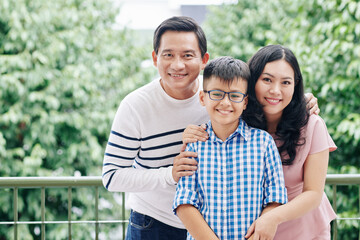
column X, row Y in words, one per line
column 263, row 228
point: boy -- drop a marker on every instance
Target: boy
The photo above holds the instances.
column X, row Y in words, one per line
column 239, row 172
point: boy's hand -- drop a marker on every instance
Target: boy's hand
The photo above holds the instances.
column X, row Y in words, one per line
column 311, row 104
column 194, row 133
column 184, row 165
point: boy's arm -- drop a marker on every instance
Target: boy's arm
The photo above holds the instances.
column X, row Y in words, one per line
column 269, row 207
column 275, row 195
column 195, row 223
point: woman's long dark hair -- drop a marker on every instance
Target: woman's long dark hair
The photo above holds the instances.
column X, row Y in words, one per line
column 295, row 115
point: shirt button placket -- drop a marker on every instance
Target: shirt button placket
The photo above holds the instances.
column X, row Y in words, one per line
column 224, row 188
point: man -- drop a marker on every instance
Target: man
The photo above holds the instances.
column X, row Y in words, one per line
column 147, row 130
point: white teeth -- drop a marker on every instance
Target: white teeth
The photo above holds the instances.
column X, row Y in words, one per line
column 176, row 75
column 273, row 100
column 224, row 111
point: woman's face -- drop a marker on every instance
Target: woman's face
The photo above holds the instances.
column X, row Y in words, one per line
column 274, row 88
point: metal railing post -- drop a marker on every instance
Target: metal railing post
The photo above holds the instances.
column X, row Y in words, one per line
column 96, row 213
column 69, row 211
column 43, row 213
column 335, row 209
column 123, row 215
column 15, row 212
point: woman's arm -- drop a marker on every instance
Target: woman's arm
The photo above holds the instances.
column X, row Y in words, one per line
column 195, row 223
column 315, row 169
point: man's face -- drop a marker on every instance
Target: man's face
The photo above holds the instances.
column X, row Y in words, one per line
column 179, row 63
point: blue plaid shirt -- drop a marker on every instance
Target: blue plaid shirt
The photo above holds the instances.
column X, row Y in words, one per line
column 234, row 181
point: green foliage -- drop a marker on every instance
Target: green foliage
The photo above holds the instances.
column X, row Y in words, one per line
column 64, row 70
column 325, row 36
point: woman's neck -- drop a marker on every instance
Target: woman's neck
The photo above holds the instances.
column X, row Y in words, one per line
column 272, row 123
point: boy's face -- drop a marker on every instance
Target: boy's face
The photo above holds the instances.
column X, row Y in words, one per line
column 224, row 113
column 179, row 63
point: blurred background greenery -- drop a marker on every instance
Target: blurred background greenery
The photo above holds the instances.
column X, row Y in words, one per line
column 65, row 68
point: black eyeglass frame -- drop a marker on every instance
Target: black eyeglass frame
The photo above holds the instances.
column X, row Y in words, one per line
column 224, row 93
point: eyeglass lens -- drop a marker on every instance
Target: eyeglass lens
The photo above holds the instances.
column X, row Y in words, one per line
column 219, row 95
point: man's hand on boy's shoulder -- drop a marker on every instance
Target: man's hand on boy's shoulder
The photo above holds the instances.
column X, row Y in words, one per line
column 194, row 133
column 184, row 165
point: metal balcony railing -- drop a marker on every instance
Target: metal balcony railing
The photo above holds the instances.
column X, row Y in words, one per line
column 335, row 180
column 43, row 183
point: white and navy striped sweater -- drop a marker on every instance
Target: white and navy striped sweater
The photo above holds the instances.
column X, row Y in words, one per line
column 145, row 137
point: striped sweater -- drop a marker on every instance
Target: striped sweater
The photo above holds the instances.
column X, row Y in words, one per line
column 145, row 137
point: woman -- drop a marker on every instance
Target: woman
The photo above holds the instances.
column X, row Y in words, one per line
column 277, row 105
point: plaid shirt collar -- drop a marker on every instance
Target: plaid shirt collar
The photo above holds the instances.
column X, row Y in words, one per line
column 242, row 129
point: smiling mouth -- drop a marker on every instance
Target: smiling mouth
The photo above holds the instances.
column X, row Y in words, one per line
column 177, row 75
column 273, row 101
column 224, row 112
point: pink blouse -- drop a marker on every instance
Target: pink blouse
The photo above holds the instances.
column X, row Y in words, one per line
column 314, row 222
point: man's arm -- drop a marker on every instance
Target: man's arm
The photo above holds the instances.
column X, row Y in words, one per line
column 312, row 104
column 195, row 223
column 123, row 146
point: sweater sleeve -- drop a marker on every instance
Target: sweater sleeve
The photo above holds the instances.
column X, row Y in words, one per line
column 123, row 146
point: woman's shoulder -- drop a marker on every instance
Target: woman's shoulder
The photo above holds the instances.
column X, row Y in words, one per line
column 315, row 121
column 317, row 135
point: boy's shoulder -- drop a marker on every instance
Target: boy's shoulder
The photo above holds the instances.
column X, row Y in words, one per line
column 257, row 133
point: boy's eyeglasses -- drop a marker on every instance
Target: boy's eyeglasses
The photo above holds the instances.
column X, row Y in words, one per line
column 218, row 95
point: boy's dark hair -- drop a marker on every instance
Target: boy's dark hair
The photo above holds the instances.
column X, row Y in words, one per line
column 226, row 69
column 180, row 24
column 294, row 117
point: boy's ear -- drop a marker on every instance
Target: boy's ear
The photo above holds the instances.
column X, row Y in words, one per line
column 154, row 57
column 202, row 98
column 245, row 102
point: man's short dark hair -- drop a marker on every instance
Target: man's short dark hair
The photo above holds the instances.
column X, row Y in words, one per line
column 180, row 24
